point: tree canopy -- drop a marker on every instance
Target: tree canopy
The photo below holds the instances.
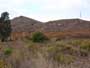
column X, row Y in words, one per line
column 5, row 26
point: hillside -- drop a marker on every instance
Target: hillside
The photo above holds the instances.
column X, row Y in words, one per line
column 78, row 28
column 67, row 25
column 67, row 28
column 25, row 24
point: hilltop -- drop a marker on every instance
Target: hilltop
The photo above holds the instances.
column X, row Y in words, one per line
column 24, row 24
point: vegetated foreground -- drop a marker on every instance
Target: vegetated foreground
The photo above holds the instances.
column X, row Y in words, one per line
column 72, row 53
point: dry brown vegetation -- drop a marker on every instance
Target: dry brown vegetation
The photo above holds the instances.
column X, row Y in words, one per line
column 71, row 53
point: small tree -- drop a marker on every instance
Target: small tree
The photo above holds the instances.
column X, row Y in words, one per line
column 5, row 30
column 38, row 37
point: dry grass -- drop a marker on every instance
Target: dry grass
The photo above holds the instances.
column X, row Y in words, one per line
column 73, row 53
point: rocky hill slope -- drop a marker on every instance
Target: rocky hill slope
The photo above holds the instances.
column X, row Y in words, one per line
column 67, row 25
column 25, row 24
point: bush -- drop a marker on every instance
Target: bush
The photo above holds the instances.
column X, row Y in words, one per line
column 85, row 46
column 62, row 58
column 38, row 37
column 7, row 51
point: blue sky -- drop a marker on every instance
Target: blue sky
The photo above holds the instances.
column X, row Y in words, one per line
column 46, row 10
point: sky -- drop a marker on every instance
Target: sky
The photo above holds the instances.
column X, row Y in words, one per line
column 46, row 10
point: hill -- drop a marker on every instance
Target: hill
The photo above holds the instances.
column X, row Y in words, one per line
column 67, row 25
column 24, row 24
column 67, row 28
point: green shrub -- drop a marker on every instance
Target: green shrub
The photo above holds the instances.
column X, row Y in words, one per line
column 7, row 51
column 38, row 37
